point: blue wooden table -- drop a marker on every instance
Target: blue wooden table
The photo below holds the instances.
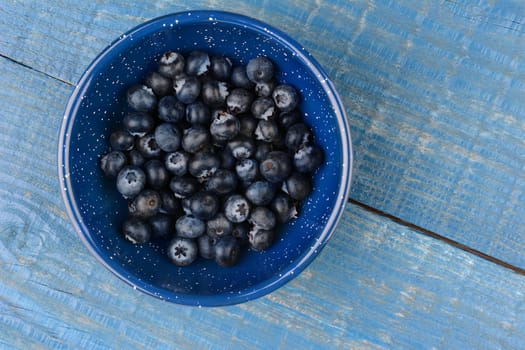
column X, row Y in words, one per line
column 430, row 252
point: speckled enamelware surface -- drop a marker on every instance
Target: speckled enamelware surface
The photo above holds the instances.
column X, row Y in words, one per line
column 96, row 209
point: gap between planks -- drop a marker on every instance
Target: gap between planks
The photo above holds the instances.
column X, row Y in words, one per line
column 439, row 237
column 36, row 70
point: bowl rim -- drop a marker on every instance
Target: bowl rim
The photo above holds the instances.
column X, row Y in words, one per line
column 291, row 271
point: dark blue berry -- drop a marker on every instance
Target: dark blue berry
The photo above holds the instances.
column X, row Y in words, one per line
column 187, row 88
column 263, row 108
column 260, row 69
column 161, row 225
column 177, row 162
column 160, row 84
column 247, row 170
column 227, row 251
column 131, row 180
column 224, row 126
column 168, row 137
column 170, row 109
column 267, row 131
column 286, row 97
column 220, row 67
column 260, row 192
column 237, row 208
column 240, row 231
column 219, row 226
column 240, row 79
column 276, row 167
column 222, row 182
column 136, row 158
column 197, row 63
column 189, row 226
column 148, row 147
column 214, row 93
column 169, row 204
column 121, row 140
column 239, row 101
column 183, row 186
column 171, row 64
column 198, row 113
column 241, row 147
column 227, row 159
column 262, row 217
column 260, row 239
column 182, row 251
column 195, row 139
column 287, row 119
column 157, row 176
column 146, row 204
column 298, row 186
column 265, row 88
column 136, row 230
column 138, row 123
column 141, row 98
column 204, row 205
column 112, row 162
column 284, row 207
column 203, row 165
column 205, row 244
column 308, row 158
column 298, row 134
column 261, row 150
column 248, row 125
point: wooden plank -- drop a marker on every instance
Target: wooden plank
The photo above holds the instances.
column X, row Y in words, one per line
column 433, row 92
column 376, row 285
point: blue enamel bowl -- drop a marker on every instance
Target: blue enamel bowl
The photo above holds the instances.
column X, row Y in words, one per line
column 98, row 104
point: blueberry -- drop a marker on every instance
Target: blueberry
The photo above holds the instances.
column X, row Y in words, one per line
column 240, row 231
column 240, row 79
column 146, row 204
column 157, row 176
column 168, row 137
column 111, row 163
column 189, row 226
column 177, row 162
column 220, row 67
column 262, row 217
column 160, row 84
column 204, row 205
column 260, row 69
column 236, row 208
column 298, row 186
column 182, row 251
column 187, row 88
column 203, row 164
column 298, row 134
column 148, row 147
column 214, row 93
column 224, row 126
column 308, row 158
column 263, row 108
column 227, row 251
column 138, row 123
column 261, row 150
column 284, row 207
column 121, row 140
column 131, row 180
column 136, row 158
column 222, row 182
column 219, row 226
column 241, row 147
column 196, row 139
column 227, row 159
column 286, row 97
column 141, row 98
column 239, row 101
column 260, row 239
column 247, row 170
column 287, row 119
column 265, row 88
column 169, row 204
column 161, row 225
column 276, row 167
column 170, row 109
column 248, row 124
column 205, row 244
column 197, row 63
column 267, row 131
column 260, row 192
column 183, row 186
column 136, row 231
column 198, row 113
column 171, row 64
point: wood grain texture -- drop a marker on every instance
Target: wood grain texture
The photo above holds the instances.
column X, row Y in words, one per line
column 376, row 285
column 432, row 89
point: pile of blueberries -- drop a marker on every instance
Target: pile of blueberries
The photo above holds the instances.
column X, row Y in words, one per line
column 212, row 157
